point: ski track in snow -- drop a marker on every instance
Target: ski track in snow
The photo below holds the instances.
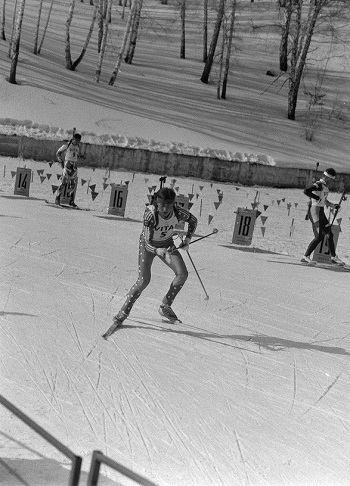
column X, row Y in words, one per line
column 244, row 391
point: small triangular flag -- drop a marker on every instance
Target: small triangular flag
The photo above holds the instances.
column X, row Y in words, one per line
column 216, row 204
column 150, row 189
column 146, row 180
column 42, row 178
column 94, row 195
column 190, row 196
column 105, row 185
column 50, row 164
column 218, row 191
column 201, row 188
column 278, row 201
column 265, row 207
column 13, row 173
column 58, row 176
column 263, row 219
column 237, row 188
column 92, row 187
column 254, row 205
column 190, row 205
column 126, row 183
column 54, row 189
column 173, row 181
column 48, row 176
column 83, row 182
column 339, row 220
column 154, row 187
column 210, row 217
column 296, row 205
column 40, row 171
column 177, row 189
column 263, row 230
column 257, row 213
column 283, row 199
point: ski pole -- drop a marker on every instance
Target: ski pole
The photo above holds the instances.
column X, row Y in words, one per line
column 206, row 236
column 342, row 198
column 193, row 265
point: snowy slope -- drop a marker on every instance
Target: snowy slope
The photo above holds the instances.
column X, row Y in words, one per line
column 252, row 388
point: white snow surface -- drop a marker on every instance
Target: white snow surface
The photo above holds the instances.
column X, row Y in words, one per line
column 253, row 387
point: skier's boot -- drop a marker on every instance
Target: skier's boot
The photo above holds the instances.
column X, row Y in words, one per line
column 307, row 259
column 337, row 260
column 167, row 312
column 117, row 322
column 58, row 201
column 72, row 204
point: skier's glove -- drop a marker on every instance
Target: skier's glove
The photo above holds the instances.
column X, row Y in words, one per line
column 185, row 245
column 164, row 253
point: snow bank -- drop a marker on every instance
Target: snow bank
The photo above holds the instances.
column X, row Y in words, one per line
column 9, row 126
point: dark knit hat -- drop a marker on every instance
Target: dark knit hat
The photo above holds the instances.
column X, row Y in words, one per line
column 331, row 173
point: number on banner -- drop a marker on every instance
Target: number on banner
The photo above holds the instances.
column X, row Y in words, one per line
column 322, row 253
column 244, row 226
column 118, row 198
column 22, row 182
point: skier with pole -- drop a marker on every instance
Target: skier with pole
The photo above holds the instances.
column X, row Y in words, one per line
column 156, row 239
column 318, row 193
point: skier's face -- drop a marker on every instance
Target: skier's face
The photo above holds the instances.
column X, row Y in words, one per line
column 165, row 207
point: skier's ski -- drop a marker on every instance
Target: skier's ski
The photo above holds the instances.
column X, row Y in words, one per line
column 171, row 321
column 64, row 206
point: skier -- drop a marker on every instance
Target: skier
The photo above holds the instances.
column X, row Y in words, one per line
column 70, row 170
column 156, row 239
column 318, row 193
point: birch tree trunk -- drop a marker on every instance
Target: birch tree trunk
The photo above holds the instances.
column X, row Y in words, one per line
column 205, row 31
column 85, row 46
column 122, row 49
column 214, row 41
column 283, row 53
column 300, row 52
column 100, row 23
column 46, row 26
column 183, row 29
column 69, row 62
column 15, row 52
column 3, row 36
column 36, row 40
column 229, row 49
column 103, row 42
column 134, row 32
column 221, row 60
column 12, row 30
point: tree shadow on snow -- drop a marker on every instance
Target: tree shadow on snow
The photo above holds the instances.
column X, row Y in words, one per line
column 319, row 266
column 21, row 198
column 251, row 249
column 270, row 343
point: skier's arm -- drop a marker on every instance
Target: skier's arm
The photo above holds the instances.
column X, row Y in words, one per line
column 309, row 191
column 148, row 225
column 60, row 151
column 190, row 219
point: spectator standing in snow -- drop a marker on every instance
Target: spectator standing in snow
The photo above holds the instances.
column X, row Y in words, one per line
column 318, row 193
column 71, row 152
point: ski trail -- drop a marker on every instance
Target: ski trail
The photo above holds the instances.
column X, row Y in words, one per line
column 294, row 383
column 242, row 457
column 324, row 393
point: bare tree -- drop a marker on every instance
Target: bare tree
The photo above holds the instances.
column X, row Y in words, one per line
column 286, row 9
column 122, row 48
column 300, row 48
column 183, row 29
column 69, row 63
column 16, row 42
column 205, row 30
column 13, row 29
column 103, row 41
column 36, row 38
column 214, row 41
column 134, row 28
column 229, row 48
column 46, row 26
column 3, row 36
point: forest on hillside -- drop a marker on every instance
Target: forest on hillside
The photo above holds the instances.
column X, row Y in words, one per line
column 307, row 38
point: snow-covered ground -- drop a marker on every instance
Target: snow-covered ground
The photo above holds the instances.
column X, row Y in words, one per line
column 252, row 388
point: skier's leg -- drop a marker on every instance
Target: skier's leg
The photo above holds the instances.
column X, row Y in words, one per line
column 63, row 182
column 315, row 215
column 178, row 266
column 145, row 263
